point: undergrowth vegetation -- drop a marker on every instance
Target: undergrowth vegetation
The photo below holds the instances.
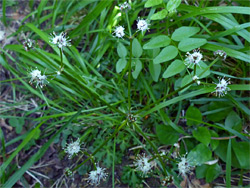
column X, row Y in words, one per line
column 144, row 93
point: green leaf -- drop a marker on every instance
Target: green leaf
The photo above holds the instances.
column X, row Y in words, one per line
column 168, row 53
column 121, row 50
column 202, row 134
column 230, row 52
column 242, row 152
column 157, row 42
column 212, row 172
column 155, row 70
column 221, row 114
column 166, row 134
column 90, row 17
column 138, row 68
column 189, row 44
column 159, row 15
column 233, row 121
column 174, row 68
column 173, row 4
column 136, row 48
column 193, row 113
column 228, row 164
column 200, row 154
column 151, row 3
column 200, row 171
column 121, row 64
column 17, row 123
column 187, row 79
column 214, row 143
column 184, row 32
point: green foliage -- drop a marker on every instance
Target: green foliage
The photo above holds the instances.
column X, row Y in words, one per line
column 127, row 96
column 166, row 134
column 193, row 116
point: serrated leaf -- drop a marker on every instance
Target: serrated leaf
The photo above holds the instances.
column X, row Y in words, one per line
column 136, row 48
column 189, row 44
column 168, row 53
column 202, row 134
column 157, row 42
column 155, row 70
column 174, row 68
column 121, row 50
column 159, row 15
column 151, row 3
column 193, row 113
column 166, row 134
column 199, row 154
column 138, row 68
column 184, row 32
column 121, row 64
column 173, row 4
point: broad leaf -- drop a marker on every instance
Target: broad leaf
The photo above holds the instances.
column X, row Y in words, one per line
column 166, row 134
column 168, row 53
column 184, row 32
column 174, row 68
column 136, row 48
column 189, row 44
column 157, row 42
column 202, row 134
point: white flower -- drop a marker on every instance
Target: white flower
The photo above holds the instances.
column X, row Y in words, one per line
column 142, row 164
column 28, row 44
column 221, row 88
column 193, row 58
column 196, row 79
column 41, row 80
column 142, row 25
column 184, row 166
column 35, row 74
column 221, row 53
column 125, row 6
column 73, row 148
column 95, row 176
column 60, row 40
column 119, row 31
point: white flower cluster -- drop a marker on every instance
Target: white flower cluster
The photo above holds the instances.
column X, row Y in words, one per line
column 221, row 88
column 36, row 76
column 27, row 44
column 184, row 166
column 196, row 79
column 221, row 53
column 73, row 148
column 142, row 164
column 119, row 31
column 142, row 25
column 194, row 58
column 95, row 176
column 60, row 40
column 125, row 6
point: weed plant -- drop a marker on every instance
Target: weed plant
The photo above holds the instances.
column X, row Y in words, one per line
column 150, row 93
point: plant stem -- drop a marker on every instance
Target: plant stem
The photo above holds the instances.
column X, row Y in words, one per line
column 101, row 146
column 129, row 29
column 129, row 75
column 61, row 59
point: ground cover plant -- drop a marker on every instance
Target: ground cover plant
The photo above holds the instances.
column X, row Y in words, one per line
column 143, row 93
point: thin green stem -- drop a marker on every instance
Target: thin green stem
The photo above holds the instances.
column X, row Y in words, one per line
column 61, row 56
column 211, row 64
column 195, row 69
column 129, row 29
column 129, row 75
column 101, row 146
